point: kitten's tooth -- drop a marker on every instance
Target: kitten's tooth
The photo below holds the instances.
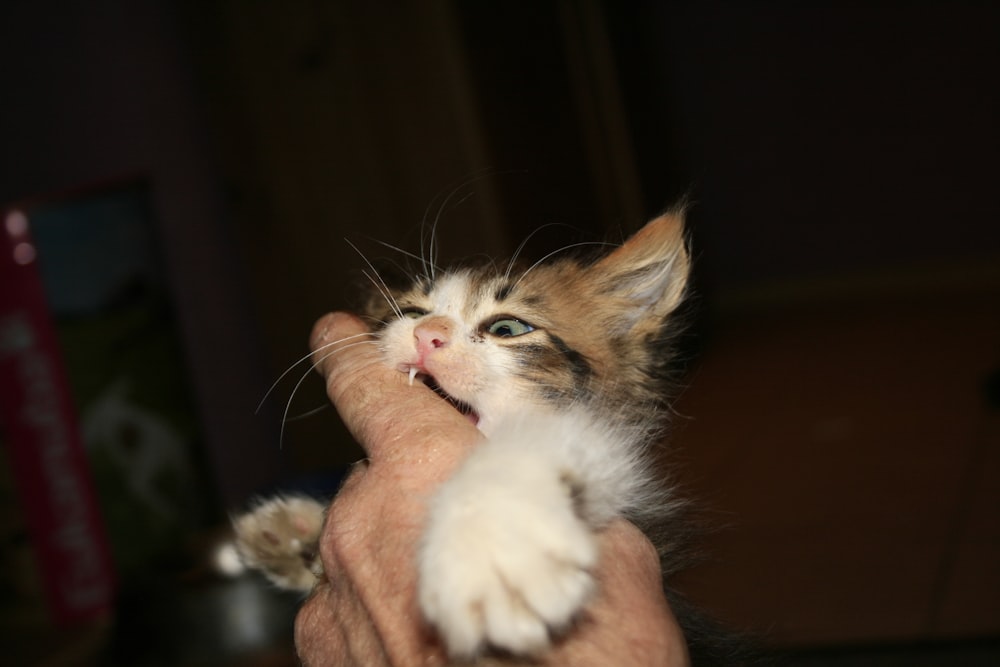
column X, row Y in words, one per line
column 413, row 374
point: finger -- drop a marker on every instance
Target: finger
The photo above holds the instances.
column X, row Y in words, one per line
column 377, row 403
column 335, row 630
column 335, row 333
column 631, row 583
column 318, row 639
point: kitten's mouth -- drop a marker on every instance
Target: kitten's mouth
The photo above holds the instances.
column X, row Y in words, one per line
column 433, row 385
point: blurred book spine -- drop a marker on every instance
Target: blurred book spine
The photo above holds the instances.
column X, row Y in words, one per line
column 45, row 455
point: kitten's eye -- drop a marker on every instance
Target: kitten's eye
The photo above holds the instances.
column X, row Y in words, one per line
column 508, row 326
column 413, row 313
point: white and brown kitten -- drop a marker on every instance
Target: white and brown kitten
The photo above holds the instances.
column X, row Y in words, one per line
column 563, row 367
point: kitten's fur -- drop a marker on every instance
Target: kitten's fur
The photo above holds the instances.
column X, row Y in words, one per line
column 280, row 538
column 563, row 366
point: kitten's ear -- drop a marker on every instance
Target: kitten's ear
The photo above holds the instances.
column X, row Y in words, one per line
column 650, row 271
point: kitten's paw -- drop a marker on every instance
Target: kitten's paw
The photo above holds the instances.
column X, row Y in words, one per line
column 280, row 538
column 503, row 571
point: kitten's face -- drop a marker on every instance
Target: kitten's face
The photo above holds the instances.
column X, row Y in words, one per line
column 491, row 344
column 560, row 333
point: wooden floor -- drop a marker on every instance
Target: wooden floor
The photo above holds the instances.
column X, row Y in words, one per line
column 945, row 654
column 853, row 453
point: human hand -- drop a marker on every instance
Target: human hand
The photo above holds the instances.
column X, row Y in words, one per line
column 366, row 612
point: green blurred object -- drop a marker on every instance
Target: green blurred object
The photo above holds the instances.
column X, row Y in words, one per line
column 110, row 301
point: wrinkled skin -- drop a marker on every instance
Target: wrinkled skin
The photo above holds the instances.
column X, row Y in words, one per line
column 366, row 613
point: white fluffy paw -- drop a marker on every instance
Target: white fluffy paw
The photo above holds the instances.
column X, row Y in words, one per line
column 504, row 567
column 280, row 538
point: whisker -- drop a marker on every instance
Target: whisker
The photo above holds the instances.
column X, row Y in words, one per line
column 303, row 359
column 385, row 295
column 309, row 371
column 434, row 244
column 375, row 323
column 309, row 413
column 556, row 252
column 432, row 249
column 402, row 252
column 384, row 289
column 429, row 262
column 520, row 248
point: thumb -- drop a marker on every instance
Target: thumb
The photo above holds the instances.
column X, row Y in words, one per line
column 377, row 403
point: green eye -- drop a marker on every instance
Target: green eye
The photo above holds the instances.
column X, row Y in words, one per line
column 413, row 313
column 508, row 327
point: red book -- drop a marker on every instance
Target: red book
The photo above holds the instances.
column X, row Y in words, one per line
column 41, row 434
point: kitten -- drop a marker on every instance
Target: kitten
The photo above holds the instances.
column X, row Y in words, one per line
column 563, row 367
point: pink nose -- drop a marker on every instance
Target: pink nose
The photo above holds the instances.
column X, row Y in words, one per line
column 432, row 334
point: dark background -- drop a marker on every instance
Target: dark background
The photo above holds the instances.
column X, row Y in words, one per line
column 842, row 163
